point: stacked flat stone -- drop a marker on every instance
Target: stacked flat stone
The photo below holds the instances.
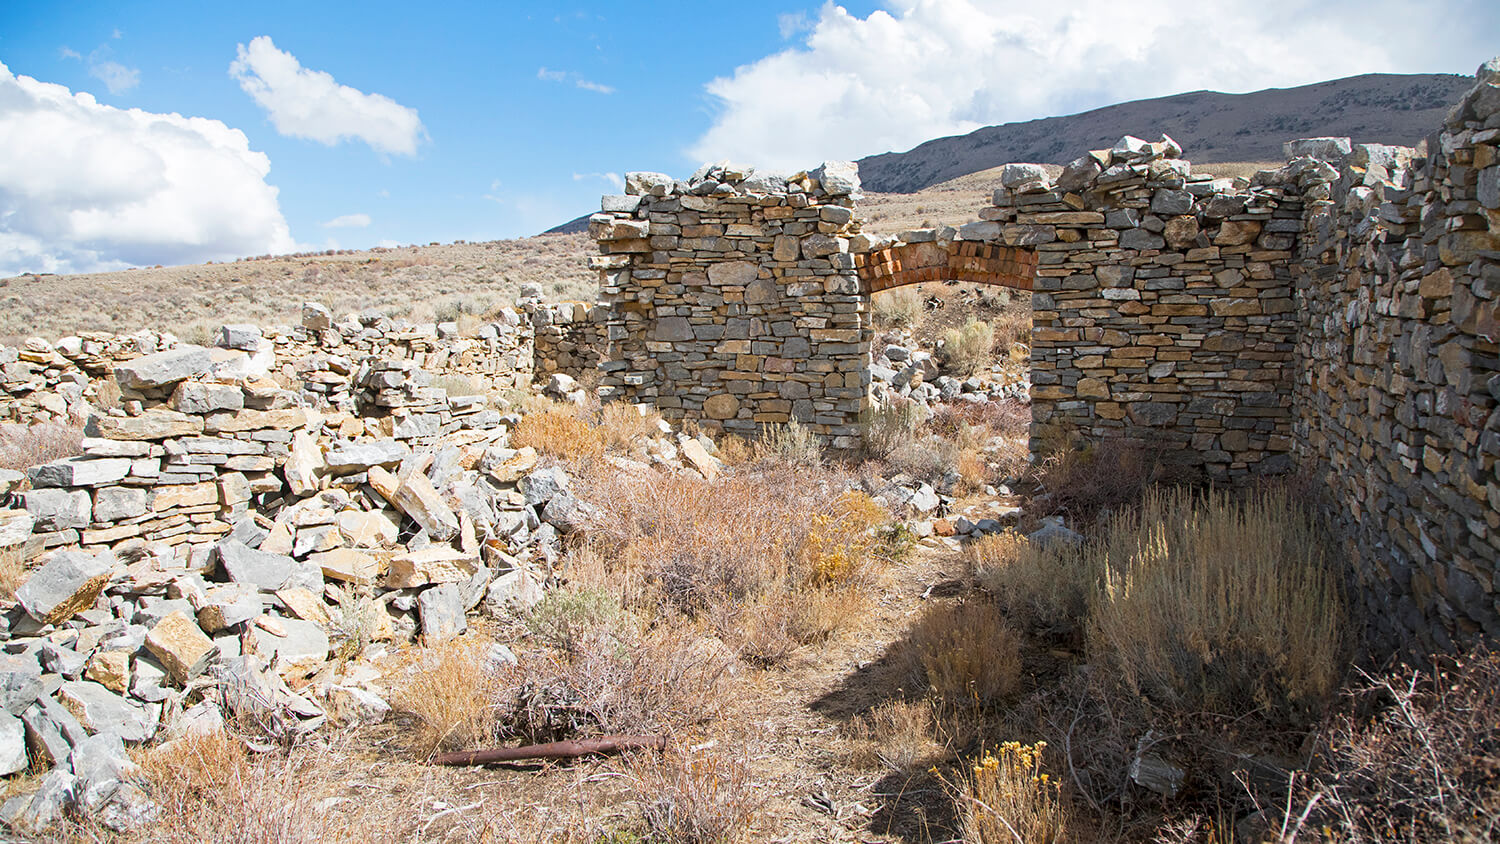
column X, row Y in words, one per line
column 399, row 399
column 568, row 337
column 1397, row 387
column 1162, row 307
column 732, row 299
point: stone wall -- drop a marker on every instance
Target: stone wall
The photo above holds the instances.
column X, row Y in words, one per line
column 43, row 380
column 1397, row 386
column 732, row 299
column 568, row 337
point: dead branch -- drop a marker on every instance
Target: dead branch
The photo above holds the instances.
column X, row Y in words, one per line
column 603, row 745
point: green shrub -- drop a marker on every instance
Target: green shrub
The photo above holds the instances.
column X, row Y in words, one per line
column 564, row 618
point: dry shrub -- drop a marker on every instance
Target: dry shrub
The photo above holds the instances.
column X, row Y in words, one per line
column 1041, row 588
column 898, row 308
column 966, row 653
column 694, row 798
column 622, row 680
column 1414, row 756
column 1100, row 476
column 1007, row 799
column 927, row 458
column 566, row 617
column 772, row 558
column 557, row 432
column 450, row 695
column 969, row 349
column 624, row 426
column 1217, row 605
column 891, row 426
column 897, row 734
column 24, row 446
column 789, row 444
column 209, row 789
column 734, row 451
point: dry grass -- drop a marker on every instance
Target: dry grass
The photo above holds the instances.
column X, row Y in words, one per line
column 788, row 444
column 892, row 426
column 966, row 654
column 694, row 798
column 1104, row 476
column 897, row 308
column 968, row 349
column 13, row 572
column 1045, row 590
column 897, row 734
column 209, row 788
column 558, row 432
column 450, row 698
column 24, row 446
column 1007, row 799
column 623, row 427
column 1215, row 605
column 771, row 558
column 418, row 283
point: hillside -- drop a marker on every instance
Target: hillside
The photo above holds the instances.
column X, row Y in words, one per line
column 1212, row 127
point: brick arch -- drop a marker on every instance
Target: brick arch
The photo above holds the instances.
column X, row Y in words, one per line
column 962, row 260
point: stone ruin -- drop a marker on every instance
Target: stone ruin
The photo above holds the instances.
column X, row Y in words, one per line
column 1335, row 316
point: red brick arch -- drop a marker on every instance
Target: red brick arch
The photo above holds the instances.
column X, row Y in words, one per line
column 963, row 260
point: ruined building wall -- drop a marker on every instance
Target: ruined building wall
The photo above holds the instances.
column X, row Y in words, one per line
column 1397, row 385
column 732, row 299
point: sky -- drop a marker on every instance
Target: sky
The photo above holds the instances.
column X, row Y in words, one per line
column 140, row 133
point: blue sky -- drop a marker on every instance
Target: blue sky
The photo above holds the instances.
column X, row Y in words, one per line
column 402, row 123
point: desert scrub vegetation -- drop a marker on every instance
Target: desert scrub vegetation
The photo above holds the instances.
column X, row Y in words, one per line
column 969, row 348
column 770, row 557
column 23, row 446
column 580, row 432
column 694, row 798
column 1219, row 604
column 898, row 308
column 464, row 282
column 1007, row 798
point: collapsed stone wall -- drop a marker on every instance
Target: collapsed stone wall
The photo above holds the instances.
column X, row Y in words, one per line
column 568, row 337
column 1398, row 378
column 43, row 380
column 732, row 299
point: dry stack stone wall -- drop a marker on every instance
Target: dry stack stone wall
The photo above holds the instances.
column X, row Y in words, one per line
column 1397, row 385
column 732, row 299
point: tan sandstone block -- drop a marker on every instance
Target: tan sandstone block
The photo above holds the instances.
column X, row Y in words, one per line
column 178, row 643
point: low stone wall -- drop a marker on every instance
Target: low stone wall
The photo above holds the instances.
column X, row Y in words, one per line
column 43, row 380
column 568, row 338
column 731, row 299
column 1397, row 372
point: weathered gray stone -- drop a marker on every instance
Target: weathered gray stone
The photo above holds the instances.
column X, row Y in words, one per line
column 242, row 564
column 672, row 329
column 240, row 336
column 58, row 509
column 441, row 609
column 1325, row 149
column 118, row 503
column 648, row 184
column 200, row 398
column 838, row 178
column 315, row 317
column 304, row 646
column 348, row 456
column 163, row 368
column 68, row 581
column 79, row 471
column 43, row 807
column 51, row 730
column 12, row 744
column 101, row 710
column 1025, row 178
column 15, row 528
column 20, row 682
column 512, row 592
column 540, row 486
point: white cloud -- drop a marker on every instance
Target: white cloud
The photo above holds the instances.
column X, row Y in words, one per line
column 928, row 68
column 87, row 187
column 115, row 76
column 547, row 75
column 348, row 221
column 310, row 104
column 615, row 179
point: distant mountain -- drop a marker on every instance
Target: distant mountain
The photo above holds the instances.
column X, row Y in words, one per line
column 1212, row 127
column 574, row 226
